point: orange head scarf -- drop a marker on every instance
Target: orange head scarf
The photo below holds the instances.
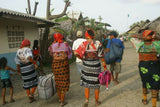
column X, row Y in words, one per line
column 58, row 37
column 24, row 43
column 89, row 34
column 147, row 34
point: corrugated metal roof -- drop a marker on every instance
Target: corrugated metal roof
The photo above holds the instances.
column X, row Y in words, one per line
column 24, row 15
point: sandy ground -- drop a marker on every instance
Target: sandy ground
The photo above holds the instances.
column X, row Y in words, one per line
column 126, row 94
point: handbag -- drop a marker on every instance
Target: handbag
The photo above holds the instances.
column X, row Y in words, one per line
column 115, row 52
column 104, row 78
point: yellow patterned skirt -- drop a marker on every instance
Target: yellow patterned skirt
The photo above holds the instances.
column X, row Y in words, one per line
column 62, row 74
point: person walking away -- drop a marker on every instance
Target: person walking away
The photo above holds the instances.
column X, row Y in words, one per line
column 90, row 52
column 26, row 66
column 61, row 53
column 76, row 44
column 5, row 79
column 37, row 55
column 115, row 66
column 149, row 66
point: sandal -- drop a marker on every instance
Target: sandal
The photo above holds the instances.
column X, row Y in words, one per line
column 98, row 103
column 145, row 102
column 158, row 97
column 116, row 82
column 12, row 100
column 31, row 99
column 85, row 104
column 4, row 103
column 63, row 103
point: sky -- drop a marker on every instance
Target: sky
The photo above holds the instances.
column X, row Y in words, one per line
column 120, row 14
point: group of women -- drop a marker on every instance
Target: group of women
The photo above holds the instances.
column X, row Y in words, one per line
column 90, row 51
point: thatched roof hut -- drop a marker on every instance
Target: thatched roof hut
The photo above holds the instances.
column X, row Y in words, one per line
column 153, row 25
column 134, row 30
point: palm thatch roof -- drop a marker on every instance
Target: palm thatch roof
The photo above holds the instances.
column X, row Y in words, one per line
column 153, row 25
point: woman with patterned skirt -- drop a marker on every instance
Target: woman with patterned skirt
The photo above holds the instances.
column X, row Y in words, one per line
column 149, row 66
column 90, row 52
column 61, row 52
column 26, row 66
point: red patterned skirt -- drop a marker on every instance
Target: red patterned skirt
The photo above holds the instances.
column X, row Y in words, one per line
column 62, row 74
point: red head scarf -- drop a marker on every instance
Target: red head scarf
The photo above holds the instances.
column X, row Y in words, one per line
column 24, row 43
column 147, row 34
column 58, row 37
column 87, row 35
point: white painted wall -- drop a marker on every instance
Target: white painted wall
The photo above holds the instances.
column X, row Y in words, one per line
column 30, row 32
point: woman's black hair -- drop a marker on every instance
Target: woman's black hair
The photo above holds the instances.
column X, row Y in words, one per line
column 35, row 44
column 151, row 33
column 3, row 62
column 90, row 32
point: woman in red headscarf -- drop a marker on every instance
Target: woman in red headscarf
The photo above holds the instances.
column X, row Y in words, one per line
column 61, row 52
column 26, row 66
column 149, row 66
column 90, row 52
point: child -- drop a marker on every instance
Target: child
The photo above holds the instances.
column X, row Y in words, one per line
column 37, row 55
column 5, row 79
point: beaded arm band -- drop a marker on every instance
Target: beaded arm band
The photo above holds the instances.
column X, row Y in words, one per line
column 103, row 63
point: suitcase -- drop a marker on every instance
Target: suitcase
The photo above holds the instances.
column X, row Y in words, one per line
column 46, row 86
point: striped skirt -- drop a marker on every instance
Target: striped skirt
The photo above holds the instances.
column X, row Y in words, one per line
column 29, row 75
column 62, row 74
column 90, row 72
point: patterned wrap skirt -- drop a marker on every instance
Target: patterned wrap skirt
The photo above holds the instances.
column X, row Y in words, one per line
column 62, row 74
column 150, row 74
column 89, row 76
column 29, row 75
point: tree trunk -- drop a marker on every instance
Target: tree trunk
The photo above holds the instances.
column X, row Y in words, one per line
column 29, row 7
column 48, row 9
column 45, row 43
column 67, row 4
column 44, row 46
column 35, row 8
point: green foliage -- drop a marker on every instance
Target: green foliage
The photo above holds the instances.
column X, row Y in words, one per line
column 59, row 30
column 61, row 19
column 92, row 24
column 51, row 10
column 78, row 24
column 100, row 27
column 73, row 59
column 66, row 1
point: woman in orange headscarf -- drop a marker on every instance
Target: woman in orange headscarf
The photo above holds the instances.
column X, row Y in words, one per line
column 26, row 66
column 149, row 66
column 61, row 52
column 90, row 52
